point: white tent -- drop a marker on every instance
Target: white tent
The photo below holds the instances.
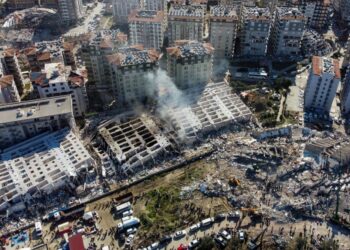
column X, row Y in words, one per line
column 88, row 216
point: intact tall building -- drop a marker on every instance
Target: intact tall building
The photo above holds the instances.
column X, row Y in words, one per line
column 122, row 9
column 11, row 67
column 316, row 11
column 147, row 27
column 8, row 90
column 190, row 63
column 23, row 120
column 345, row 94
column 255, row 31
column 94, row 52
column 70, row 10
column 322, row 84
column 129, row 67
column 186, row 22
column 13, row 5
column 153, row 4
column 57, row 79
column 287, row 32
column 224, row 22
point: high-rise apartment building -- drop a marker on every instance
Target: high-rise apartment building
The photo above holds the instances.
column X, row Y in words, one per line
column 316, row 11
column 186, row 22
column 154, row 4
column 255, row 31
column 94, row 52
column 223, row 30
column 122, row 9
column 345, row 94
column 129, row 67
column 57, row 79
column 8, row 90
column 147, row 27
column 344, row 8
column 11, row 67
column 287, row 31
column 23, row 120
column 322, row 84
column 190, row 63
column 70, row 10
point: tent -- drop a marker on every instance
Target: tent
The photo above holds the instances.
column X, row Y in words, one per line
column 88, row 216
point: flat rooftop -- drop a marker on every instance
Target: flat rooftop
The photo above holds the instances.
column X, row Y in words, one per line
column 287, row 13
column 207, row 110
column 29, row 110
column 321, row 65
column 146, row 16
column 255, row 13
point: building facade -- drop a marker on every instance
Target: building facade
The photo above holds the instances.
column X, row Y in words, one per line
column 70, row 10
column 13, row 5
column 345, row 11
column 190, row 63
column 129, row 66
column 23, row 120
column 122, row 9
column 186, row 22
column 316, row 12
column 322, row 84
column 8, row 90
column 287, row 32
column 147, row 27
column 255, row 31
column 154, row 5
column 11, row 67
column 223, row 30
column 94, row 52
column 57, row 79
column 345, row 94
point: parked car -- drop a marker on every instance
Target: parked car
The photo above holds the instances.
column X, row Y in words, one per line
column 131, row 230
column 220, row 217
column 193, row 244
column 195, row 227
column 220, row 241
column 165, row 240
column 225, row 235
column 241, row 235
column 179, row 234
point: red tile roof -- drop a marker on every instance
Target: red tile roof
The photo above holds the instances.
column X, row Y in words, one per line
column 5, row 81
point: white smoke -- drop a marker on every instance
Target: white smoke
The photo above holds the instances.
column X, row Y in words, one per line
column 165, row 91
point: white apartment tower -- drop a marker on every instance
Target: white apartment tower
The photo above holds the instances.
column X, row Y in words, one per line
column 129, row 67
column 8, row 90
column 147, row 27
column 94, row 52
column 122, row 9
column 255, row 31
column 186, row 22
column 70, row 10
column 190, row 63
column 322, row 84
column 287, row 32
column 223, row 30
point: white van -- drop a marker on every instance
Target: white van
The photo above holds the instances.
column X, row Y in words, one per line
column 38, row 229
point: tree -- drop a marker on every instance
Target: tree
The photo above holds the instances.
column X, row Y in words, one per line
column 207, row 243
column 329, row 245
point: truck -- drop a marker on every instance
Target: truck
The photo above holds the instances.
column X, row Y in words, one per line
column 125, row 225
column 123, row 207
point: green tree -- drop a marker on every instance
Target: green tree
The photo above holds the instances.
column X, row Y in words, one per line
column 329, row 245
column 207, row 243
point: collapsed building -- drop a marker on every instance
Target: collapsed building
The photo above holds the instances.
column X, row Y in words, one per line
column 313, row 44
column 207, row 110
column 132, row 141
column 40, row 165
